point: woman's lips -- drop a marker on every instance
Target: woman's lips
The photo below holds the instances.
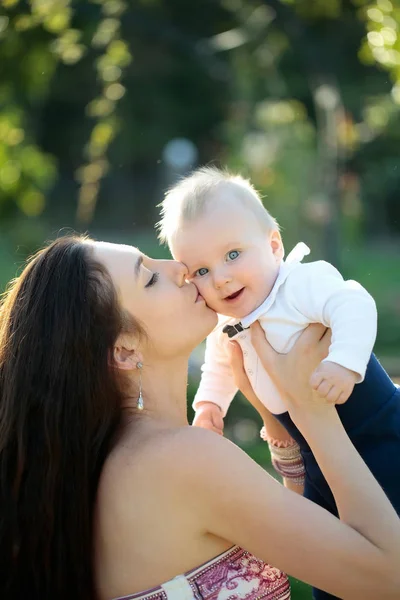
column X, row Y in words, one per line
column 199, row 297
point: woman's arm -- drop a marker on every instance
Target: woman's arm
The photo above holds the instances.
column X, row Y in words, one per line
column 321, row 426
column 235, row 499
column 273, row 428
column 357, row 557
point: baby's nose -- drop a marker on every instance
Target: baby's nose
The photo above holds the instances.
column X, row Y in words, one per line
column 221, row 278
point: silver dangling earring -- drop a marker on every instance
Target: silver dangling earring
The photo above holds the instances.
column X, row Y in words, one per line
column 139, row 403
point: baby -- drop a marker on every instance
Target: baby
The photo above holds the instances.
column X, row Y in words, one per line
column 216, row 224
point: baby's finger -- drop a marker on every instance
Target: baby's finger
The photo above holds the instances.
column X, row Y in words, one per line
column 218, row 422
column 201, row 422
column 342, row 398
column 324, row 388
column 316, row 379
column 216, row 430
column 333, row 395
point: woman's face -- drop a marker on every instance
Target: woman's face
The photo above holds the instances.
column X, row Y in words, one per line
column 155, row 292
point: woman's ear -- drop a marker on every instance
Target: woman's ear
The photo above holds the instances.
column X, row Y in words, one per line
column 124, row 356
column 277, row 245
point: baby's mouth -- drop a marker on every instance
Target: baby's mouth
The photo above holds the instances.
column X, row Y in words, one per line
column 235, row 295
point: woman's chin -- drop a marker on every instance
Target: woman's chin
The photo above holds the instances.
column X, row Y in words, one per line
column 208, row 323
column 213, row 317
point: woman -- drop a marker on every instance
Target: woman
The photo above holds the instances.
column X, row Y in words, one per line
column 104, row 489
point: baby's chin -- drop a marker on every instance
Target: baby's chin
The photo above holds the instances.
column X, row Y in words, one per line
column 224, row 311
column 236, row 312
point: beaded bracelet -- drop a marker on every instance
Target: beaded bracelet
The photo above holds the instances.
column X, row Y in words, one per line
column 286, row 458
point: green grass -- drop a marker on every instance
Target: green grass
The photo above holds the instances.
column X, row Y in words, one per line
column 299, row 590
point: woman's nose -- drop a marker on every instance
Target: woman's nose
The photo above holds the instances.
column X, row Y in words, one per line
column 180, row 272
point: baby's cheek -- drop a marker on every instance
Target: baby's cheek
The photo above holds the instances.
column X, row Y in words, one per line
column 207, row 291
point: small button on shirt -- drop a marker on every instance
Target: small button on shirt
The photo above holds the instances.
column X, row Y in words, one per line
column 303, row 293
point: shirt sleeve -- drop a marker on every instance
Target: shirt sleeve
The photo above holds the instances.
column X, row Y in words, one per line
column 217, row 383
column 319, row 292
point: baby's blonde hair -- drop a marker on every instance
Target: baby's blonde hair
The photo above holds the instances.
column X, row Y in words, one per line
column 190, row 197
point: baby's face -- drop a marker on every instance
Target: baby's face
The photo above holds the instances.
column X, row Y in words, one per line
column 232, row 261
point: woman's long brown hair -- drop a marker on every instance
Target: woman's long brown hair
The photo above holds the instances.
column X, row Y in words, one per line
column 60, row 406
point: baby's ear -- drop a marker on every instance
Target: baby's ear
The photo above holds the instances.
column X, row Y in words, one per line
column 277, row 245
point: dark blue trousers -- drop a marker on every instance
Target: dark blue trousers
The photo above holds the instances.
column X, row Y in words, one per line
column 371, row 417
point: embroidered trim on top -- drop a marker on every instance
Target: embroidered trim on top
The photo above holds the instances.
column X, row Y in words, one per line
column 235, row 574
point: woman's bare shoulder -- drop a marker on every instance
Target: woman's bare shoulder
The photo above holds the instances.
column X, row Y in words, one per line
column 194, row 445
column 170, row 452
column 181, row 448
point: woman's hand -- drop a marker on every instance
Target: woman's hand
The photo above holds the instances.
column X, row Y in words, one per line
column 291, row 372
column 273, row 428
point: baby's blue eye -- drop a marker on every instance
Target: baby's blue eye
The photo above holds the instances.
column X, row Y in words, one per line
column 202, row 271
column 233, row 254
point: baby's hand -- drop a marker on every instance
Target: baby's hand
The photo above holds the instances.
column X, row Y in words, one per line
column 209, row 416
column 333, row 382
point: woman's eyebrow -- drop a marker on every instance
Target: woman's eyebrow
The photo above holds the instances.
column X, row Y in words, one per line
column 138, row 265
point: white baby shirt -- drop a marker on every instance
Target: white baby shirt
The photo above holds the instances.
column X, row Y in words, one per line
column 303, row 293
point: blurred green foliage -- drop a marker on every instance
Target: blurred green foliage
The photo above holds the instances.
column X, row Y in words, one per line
column 36, row 38
column 301, row 96
column 93, row 86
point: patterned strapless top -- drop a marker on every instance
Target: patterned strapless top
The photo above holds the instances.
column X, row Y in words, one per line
column 233, row 575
